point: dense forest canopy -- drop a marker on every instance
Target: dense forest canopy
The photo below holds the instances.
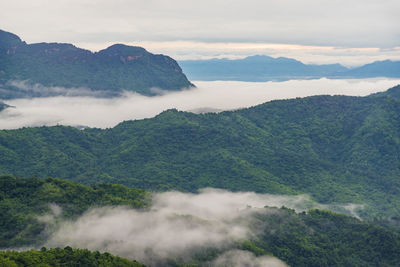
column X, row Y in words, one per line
column 313, row 238
column 106, row 73
column 23, row 200
column 338, row 149
column 57, row 257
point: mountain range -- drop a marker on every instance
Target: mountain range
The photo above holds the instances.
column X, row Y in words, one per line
column 264, row 68
column 338, row 149
column 107, row 72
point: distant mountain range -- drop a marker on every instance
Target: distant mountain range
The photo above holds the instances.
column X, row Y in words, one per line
column 109, row 71
column 264, row 68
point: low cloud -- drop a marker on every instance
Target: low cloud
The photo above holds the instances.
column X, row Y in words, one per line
column 21, row 89
column 240, row 258
column 215, row 96
column 176, row 226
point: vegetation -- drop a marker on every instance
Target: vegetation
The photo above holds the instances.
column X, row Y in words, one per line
column 56, row 257
column 339, row 149
column 324, row 238
column 22, row 201
column 315, row 238
column 111, row 70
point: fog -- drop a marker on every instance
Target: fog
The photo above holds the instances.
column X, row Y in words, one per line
column 240, row 258
column 175, row 226
column 214, row 96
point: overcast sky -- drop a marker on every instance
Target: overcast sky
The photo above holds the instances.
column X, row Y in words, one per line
column 317, row 31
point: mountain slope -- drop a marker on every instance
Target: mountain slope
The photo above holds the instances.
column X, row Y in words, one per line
column 386, row 68
column 312, row 238
column 117, row 68
column 57, row 257
column 336, row 148
column 265, row 68
column 256, row 68
column 22, row 201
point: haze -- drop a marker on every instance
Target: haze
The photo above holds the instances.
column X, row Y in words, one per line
column 208, row 96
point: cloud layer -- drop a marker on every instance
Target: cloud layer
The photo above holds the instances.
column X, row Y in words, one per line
column 358, row 23
column 176, row 225
column 316, row 31
column 214, row 96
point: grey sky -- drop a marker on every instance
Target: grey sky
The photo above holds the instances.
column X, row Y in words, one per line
column 344, row 25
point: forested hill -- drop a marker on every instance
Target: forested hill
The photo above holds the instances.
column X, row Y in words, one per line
column 118, row 67
column 336, row 148
column 57, row 257
column 23, row 200
column 313, row 238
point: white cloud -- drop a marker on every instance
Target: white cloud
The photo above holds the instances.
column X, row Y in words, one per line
column 348, row 24
column 220, row 95
column 176, row 225
column 240, row 258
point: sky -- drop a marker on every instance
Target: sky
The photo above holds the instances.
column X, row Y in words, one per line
column 314, row 31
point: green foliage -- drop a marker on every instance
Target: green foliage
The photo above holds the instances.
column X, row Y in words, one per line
column 324, row 238
column 338, row 149
column 57, row 257
column 315, row 238
column 112, row 70
column 22, row 201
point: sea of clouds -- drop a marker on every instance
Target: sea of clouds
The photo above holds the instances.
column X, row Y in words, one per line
column 94, row 111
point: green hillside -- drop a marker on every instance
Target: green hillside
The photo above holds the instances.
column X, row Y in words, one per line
column 116, row 68
column 23, row 200
column 336, row 148
column 62, row 257
column 313, row 238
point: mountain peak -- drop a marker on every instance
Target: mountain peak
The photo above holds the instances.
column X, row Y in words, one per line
column 9, row 40
column 258, row 58
column 123, row 50
column 114, row 69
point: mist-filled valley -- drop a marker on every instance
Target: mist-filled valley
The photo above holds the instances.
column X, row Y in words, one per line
column 214, row 227
column 199, row 133
column 268, row 174
column 85, row 108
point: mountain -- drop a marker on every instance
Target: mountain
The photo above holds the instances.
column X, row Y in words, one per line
column 312, row 238
column 23, row 200
column 109, row 71
column 256, row 68
column 58, row 257
column 3, row 106
column 264, row 68
column 336, row 148
column 386, row 68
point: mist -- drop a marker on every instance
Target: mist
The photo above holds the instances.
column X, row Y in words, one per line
column 176, row 225
column 86, row 110
column 240, row 258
